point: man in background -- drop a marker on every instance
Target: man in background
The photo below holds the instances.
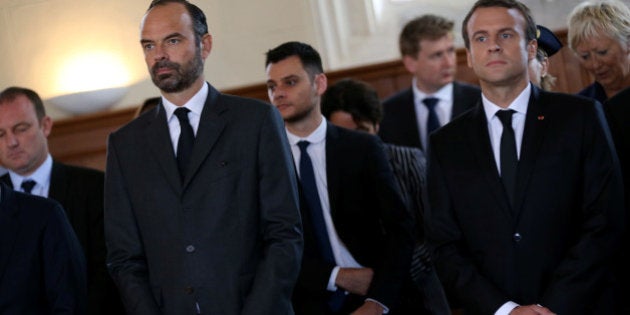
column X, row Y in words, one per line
column 357, row 233
column 42, row 267
column 355, row 105
column 434, row 98
column 24, row 128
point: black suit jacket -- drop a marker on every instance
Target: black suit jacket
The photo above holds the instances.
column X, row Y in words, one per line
column 369, row 217
column 80, row 191
column 618, row 114
column 555, row 246
column 42, row 268
column 228, row 239
column 400, row 125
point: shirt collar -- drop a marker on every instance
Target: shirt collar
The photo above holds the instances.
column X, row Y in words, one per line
column 41, row 174
column 519, row 104
column 443, row 94
column 318, row 135
column 195, row 104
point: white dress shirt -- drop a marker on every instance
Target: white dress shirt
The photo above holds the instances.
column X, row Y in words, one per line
column 495, row 129
column 195, row 105
column 443, row 109
column 41, row 176
column 317, row 151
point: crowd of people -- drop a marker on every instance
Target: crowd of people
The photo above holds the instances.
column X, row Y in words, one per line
column 501, row 198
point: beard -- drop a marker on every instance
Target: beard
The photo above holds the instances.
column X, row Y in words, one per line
column 182, row 77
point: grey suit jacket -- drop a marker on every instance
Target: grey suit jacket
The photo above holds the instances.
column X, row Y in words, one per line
column 226, row 240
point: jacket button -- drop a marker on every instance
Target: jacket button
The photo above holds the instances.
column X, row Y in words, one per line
column 190, row 248
column 189, row 290
column 517, row 237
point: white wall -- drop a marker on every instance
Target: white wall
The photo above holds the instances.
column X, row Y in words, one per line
column 40, row 39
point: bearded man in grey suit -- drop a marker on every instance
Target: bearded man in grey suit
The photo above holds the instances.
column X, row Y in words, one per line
column 201, row 206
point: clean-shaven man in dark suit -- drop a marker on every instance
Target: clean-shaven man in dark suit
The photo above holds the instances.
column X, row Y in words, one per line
column 201, row 205
column 42, row 268
column 358, row 239
column 525, row 192
column 24, row 124
column 434, row 98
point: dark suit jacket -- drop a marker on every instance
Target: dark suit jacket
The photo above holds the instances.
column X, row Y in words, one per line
column 369, row 217
column 400, row 125
column 228, row 238
column 80, row 192
column 42, row 268
column 618, row 114
column 554, row 247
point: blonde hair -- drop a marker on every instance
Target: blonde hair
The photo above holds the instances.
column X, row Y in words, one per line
column 596, row 18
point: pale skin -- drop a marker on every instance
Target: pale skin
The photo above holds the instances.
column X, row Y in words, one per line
column 435, row 64
column 607, row 60
column 297, row 97
column 167, row 34
column 499, row 53
column 23, row 137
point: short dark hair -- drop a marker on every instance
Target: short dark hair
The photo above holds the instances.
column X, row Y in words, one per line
column 530, row 24
column 428, row 26
column 200, row 26
column 355, row 97
column 311, row 61
column 11, row 93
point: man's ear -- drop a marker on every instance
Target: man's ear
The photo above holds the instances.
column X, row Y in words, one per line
column 321, row 83
column 206, row 45
column 410, row 63
column 532, row 48
column 46, row 124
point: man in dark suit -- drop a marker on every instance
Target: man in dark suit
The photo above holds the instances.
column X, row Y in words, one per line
column 358, row 237
column 42, row 268
column 25, row 127
column 201, row 205
column 355, row 105
column 526, row 204
column 434, row 98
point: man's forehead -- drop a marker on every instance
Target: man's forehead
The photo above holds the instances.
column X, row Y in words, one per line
column 165, row 17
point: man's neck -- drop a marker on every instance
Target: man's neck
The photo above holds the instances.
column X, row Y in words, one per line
column 304, row 127
column 182, row 97
column 502, row 95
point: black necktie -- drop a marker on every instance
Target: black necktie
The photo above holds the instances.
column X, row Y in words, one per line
column 186, row 140
column 432, row 121
column 309, row 189
column 509, row 160
column 27, row 185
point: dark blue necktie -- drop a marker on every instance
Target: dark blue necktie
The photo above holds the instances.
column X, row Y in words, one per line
column 509, row 160
column 311, row 195
column 185, row 142
column 27, row 185
column 432, row 121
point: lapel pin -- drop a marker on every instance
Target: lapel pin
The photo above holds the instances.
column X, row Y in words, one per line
column 541, row 117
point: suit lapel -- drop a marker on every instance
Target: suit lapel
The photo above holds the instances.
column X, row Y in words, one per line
column 8, row 226
column 480, row 144
column 210, row 127
column 57, row 190
column 458, row 103
column 158, row 139
column 333, row 170
column 409, row 120
column 533, row 135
